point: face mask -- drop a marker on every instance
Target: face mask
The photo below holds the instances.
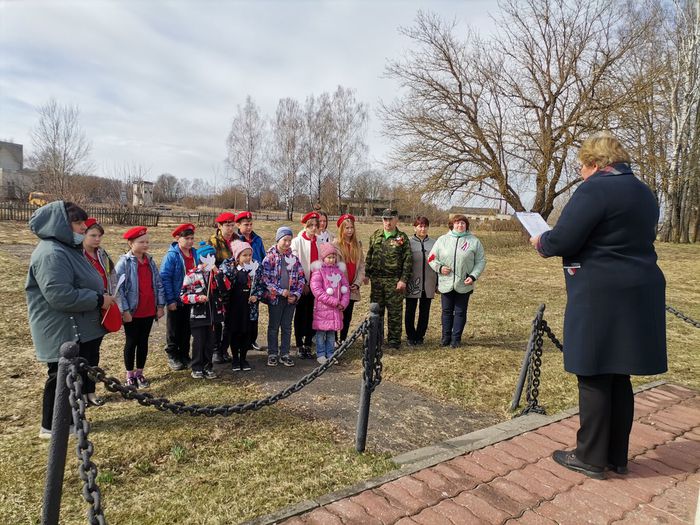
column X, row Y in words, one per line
column 78, row 238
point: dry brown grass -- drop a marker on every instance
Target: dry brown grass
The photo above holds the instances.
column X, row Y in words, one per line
column 158, row 469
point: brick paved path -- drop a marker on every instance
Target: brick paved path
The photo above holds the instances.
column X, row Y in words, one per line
column 516, row 481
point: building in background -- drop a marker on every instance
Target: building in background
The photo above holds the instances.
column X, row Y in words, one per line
column 15, row 181
column 142, row 194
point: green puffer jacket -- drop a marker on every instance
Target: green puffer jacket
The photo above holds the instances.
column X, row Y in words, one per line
column 464, row 255
column 63, row 289
column 389, row 258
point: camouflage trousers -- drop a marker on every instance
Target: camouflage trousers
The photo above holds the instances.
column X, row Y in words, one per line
column 384, row 292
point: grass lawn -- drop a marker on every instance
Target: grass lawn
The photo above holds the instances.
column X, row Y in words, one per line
column 156, row 468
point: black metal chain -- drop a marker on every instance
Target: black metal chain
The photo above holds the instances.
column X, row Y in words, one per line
column 682, row 316
column 547, row 330
column 374, row 378
column 129, row 392
column 87, row 470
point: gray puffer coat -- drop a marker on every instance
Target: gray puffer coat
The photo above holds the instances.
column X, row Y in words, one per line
column 63, row 290
column 423, row 278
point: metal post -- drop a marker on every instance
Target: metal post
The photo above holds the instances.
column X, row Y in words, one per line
column 59, row 438
column 374, row 340
column 526, row 360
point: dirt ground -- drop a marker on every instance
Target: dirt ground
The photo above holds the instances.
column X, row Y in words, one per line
column 401, row 419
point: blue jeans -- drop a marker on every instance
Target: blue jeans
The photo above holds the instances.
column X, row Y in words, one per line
column 281, row 315
column 325, row 343
column 454, row 316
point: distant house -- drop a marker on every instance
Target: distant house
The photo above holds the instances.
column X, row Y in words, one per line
column 365, row 207
column 143, row 194
column 15, row 181
column 479, row 214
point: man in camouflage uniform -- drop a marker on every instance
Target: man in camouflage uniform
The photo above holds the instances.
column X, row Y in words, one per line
column 389, row 265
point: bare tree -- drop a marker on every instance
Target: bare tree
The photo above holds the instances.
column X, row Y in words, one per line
column 60, row 148
column 348, row 148
column 498, row 118
column 682, row 218
column 318, row 139
column 287, row 150
column 246, row 143
column 168, row 188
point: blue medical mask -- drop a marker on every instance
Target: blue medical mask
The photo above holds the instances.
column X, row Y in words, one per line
column 78, row 238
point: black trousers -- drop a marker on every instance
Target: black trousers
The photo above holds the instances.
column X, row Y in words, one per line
column 303, row 319
column 416, row 332
column 221, row 338
column 177, row 334
column 202, row 347
column 240, row 339
column 90, row 351
column 253, row 334
column 136, row 344
column 347, row 319
column 86, row 350
column 606, row 405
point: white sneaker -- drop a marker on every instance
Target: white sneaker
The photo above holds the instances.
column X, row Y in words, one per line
column 321, row 359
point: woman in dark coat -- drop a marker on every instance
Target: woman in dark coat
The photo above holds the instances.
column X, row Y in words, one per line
column 614, row 324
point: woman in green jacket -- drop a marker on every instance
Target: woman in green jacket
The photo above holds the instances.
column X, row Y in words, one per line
column 458, row 258
column 65, row 294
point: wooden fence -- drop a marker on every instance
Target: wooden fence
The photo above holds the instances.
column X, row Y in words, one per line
column 13, row 211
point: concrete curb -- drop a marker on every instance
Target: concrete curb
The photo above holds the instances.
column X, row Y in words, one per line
column 422, row 458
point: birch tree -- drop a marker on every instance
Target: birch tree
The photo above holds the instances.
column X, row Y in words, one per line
column 348, row 147
column 60, row 148
column 287, row 150
column 318, row 143
column 245, row 144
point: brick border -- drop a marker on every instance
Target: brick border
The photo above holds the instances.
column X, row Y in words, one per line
column 419, row 459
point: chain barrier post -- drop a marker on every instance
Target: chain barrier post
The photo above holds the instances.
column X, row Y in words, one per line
column 536, row 322
column 59, row 438
column 372, row 345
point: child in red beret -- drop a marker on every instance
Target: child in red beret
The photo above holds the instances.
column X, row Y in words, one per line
column 141, row 301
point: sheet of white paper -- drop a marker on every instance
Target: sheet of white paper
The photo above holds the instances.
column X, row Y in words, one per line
column 533, row 222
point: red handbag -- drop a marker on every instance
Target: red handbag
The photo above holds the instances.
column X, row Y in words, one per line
column 112, row 318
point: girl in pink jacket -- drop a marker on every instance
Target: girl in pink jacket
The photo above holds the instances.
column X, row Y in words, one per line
column 330, row 288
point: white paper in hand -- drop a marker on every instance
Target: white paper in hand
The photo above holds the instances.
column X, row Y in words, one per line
column 209, row 262
column 533, row 222
column 252, row 268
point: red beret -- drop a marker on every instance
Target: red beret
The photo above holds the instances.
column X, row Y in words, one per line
column 226, row 216
column 183, row 227
column 243, row 216
column 136, row 231
column 90, row 222
column 310, row 215
column 343, row 217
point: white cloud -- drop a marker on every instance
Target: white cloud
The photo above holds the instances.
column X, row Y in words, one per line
column 157, row 82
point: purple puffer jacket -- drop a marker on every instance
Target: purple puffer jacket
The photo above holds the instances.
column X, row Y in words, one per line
column 330, row 288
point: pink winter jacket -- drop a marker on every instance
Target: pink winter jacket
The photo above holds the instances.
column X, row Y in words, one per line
column 330, row 288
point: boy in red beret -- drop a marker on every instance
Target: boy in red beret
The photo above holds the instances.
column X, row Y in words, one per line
column 180, row 258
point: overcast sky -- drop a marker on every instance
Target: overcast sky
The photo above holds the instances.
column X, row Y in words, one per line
column 158, row 82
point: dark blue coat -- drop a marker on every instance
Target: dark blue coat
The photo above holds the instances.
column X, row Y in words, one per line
column 615, row 320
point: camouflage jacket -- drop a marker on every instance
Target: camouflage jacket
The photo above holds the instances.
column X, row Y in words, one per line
column 389, row 257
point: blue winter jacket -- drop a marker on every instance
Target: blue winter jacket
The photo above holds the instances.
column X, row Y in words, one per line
column 256, row 243
column 172, row 273
column 129, row 290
